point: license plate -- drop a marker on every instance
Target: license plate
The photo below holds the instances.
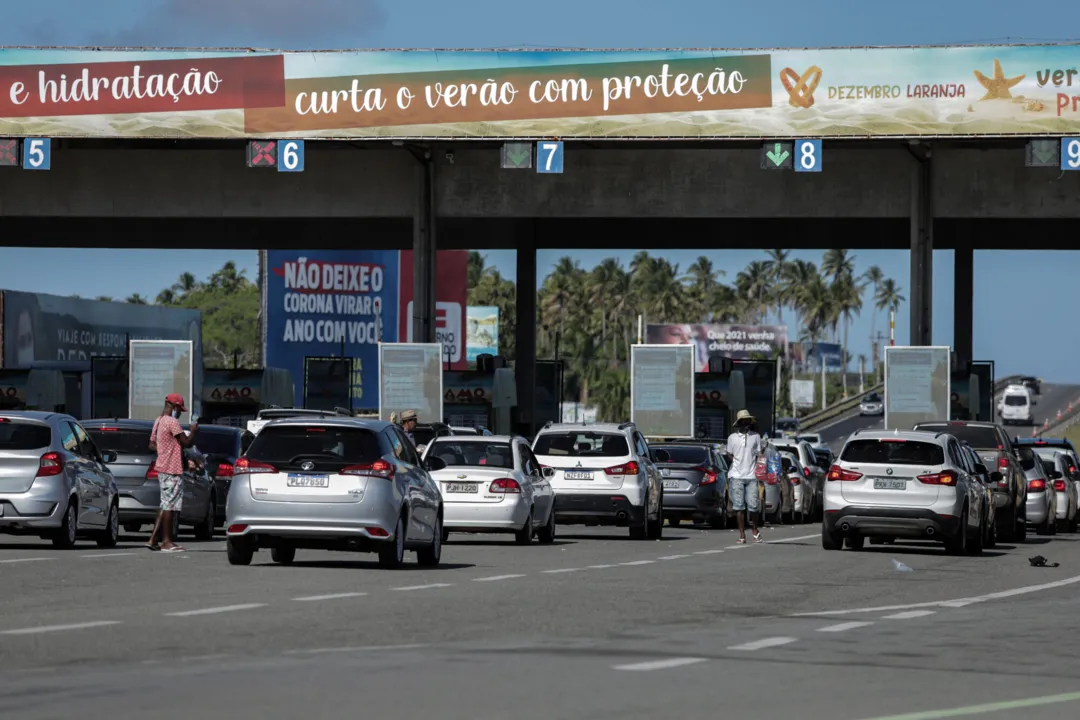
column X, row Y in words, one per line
column 665, row 471
column 889, row 484
column 671, row 484
column 309, row 481
column 578, row 475
column 461, row 487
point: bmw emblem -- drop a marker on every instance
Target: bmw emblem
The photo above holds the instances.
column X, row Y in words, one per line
column 888, row 471
column 308, row 465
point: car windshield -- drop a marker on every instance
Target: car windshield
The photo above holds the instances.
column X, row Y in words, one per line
column 122, row 441
column 685, row 454
column 18, row 435
column 582, row 444
column 290, row 444
column 497, row 454
column 892, row 452
column 1016, row 400
column 872, row 398
column 983, row 437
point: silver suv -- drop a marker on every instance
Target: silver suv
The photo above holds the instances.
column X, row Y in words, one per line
column 902, row 484
column 602, row 474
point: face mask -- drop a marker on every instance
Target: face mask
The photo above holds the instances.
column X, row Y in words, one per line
column 176, row 414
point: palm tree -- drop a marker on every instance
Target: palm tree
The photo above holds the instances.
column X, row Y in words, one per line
column 753, row 285
column 847, row 294
column 186, row 284
column 700, row 281
column 136, row 299
column 103, row 298
column 165, row 297
column 873, row 276
column 777, row 265
column 888, row 296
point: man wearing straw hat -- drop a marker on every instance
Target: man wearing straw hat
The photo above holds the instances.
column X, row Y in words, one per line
column 743, row 448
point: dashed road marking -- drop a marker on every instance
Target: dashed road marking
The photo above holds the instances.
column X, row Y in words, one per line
column 432, row 586
column 708, row 552
column 792, row 539
column 598, row 567
column 59, row 628
column 25, row 560
column 103, row 555
column 909, row 615
column 659, row 664
column 673, row 557
column 493, row 578
column 639, row 562
column 843, row 627
column 764, row 643
column 216, row 610
column 987, row 708
column 561, row 570
column 334, row 596
column 360, row 648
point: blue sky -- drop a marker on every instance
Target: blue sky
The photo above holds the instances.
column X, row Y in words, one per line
column 309, row 24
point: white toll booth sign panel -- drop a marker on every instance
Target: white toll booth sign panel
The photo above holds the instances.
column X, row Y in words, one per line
column 410, row 378
column 156, row 369
column 802, row 393
column 918, row 386
column 662, row 390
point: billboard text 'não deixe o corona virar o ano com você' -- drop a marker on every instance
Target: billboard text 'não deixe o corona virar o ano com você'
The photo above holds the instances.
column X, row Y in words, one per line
column 959, row 91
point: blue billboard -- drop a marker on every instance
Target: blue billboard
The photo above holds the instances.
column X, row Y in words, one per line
column 332, row 303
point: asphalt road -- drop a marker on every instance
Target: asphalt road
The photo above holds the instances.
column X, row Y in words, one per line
column 1053, row 398
column 595, row 626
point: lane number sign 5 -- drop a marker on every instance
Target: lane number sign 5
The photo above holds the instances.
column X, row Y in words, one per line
column 549, row 157
column 290, row 156
column 36, row 154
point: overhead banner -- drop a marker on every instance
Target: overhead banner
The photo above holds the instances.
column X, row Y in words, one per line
column 158, row 368
column 410, row 378
column 738, row 342
column 662, row 390
column 917, row 386
column 970, row 90
column 451, row 296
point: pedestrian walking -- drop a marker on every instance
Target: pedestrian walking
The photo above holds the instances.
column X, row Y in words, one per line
column 168, row 439
column 743, row 448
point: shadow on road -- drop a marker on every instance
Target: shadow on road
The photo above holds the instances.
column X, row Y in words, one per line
column 469, row 542
column 361, row 565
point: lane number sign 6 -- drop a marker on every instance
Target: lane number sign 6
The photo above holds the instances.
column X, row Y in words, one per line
column 1070, row 153
column 36, row 154
column 549, row 157
column 291, row 156
column 808, row 156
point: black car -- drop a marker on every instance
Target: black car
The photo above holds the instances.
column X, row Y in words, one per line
column 694, row 478
column 424, row 434
column 1033, row 383
column 223, row 446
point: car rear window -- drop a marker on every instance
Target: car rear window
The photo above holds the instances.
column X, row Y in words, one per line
column 872, row 397
column 808, row 438
column 215, row 443
column 1016, row 400
column 1028, row 458
column 980, row 437
column 422, row 435
column 887, row 452
column 789, row 466
column 582, row 444
column 18, row 435
column 473, row 454
column 327, row 446
column 685, row 454
column 123, row 441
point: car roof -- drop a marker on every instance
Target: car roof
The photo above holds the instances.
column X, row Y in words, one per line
column 330, row 421
column 126, row 423
column 39, row 415
column 1049, row 442
column 913, row 435
column 947, row 423
column 589, row 427
column 477, row 438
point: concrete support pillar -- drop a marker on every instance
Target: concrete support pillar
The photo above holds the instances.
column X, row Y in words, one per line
column 525, row 348
column 922, row 248
column 424, row 250
column 963, row 301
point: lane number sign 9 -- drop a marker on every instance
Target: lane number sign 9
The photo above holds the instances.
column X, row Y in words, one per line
column 36, row 154
column 549, row 157
column 1070, row 153
column 290, row 156
column 808, row 156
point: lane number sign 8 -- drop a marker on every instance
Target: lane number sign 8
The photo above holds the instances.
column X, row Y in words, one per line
column 1070, row 153
column 549, row 156
column 36, row 154
column 808, row 156
column 290, row 156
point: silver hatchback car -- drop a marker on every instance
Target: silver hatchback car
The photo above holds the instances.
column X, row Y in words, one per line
column 54, row 482
column 333, row 483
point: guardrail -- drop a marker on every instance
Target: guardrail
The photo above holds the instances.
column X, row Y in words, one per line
column 837, row 409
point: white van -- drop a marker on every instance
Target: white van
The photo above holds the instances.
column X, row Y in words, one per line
column 1015, row 406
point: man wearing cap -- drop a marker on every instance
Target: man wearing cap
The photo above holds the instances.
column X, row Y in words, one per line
column 408, row 423
column 169, row 440
column 743, row 448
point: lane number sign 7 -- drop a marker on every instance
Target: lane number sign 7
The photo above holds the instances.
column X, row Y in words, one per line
column 1070, row 153
column 549, row 157
column 291, row 157
column 37, row 154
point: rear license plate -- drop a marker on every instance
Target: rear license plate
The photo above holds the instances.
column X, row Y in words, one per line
column 461, row 487
column 578, row 474
column 671, row 484
column 889, row 484
column 312, row 481
column 665, row 471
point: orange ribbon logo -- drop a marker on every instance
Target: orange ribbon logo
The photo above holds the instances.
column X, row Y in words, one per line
column 800, row 90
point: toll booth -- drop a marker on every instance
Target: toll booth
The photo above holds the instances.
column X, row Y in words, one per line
column 549, row 392
column 328, row 383
column 36, row 389
column 732, row 385
column 971, row 391
column 468, row 397
column 233, row 397
column 109, row 386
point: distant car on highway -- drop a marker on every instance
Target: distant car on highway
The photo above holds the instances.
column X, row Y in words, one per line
column 872, row 404
column 902, row 484
column 1048, row 447
column 694, row 478
column 333, row 483
column 1065, row 507
column 977, row 469
column 1016, row 406
column 787, row 427
column 1032, row 382
column 1041, row 500
column 812, row 481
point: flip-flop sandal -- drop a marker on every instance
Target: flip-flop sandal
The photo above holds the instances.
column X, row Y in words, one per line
column 757, row 538
column 173, row 549
column 151, row 546
column 740, row 541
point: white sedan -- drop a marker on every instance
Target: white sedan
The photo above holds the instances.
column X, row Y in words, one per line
column 492, row 484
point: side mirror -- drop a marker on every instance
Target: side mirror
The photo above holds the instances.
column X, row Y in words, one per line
column 434, row 463
column 996, row 477
column 548, row 472
column 661, row 456
column 108, row 456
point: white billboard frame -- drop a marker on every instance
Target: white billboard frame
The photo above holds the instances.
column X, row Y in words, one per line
column 425, row 346
column 690, row 348
column 189, row 400
column 948, row 381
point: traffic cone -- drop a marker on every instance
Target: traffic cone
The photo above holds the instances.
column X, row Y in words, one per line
column 1059, row 415
column 1034, row 432
column 1046, row 424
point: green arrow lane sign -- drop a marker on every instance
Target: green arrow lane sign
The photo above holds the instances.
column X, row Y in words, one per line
column 1043, row 153
column 776, row 156
column 517, row 156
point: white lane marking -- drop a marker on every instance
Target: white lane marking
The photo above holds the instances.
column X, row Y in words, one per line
column 360, row 648
column 101, row 555
column 22, row 560
column 1027, row 589
column 639, row 562
column 59, row 628
column 985, row 709
column 216, row 610
column 673, row 557
column 432, row 586
column 792, row 539
column 843, row 627
column 708, row 552
column 334, row 596
column 659, row 664
column 561, row 570
column 493, row 578
column 909, row 615
column 598, row 567
column 764, row 643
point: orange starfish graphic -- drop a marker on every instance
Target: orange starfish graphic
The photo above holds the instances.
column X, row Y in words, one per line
column 997, row 87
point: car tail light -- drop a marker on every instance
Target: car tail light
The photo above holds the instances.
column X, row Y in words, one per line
column 795, row 479
column 1003, row 462
column 50, row 464
column 710, row 477
column 1037, row 485
column 893, row 440
column 109, row 429
column 1072, row 469
column 3, row 420
column 941, row 478
column 377, row 532
column 630, row 468
column 838, row 473
column 806, row 471
column 151, row 472
column 246, row 465
column 1059, row 485
column 505, row 485
column 379, row 468
column 224, row 470
column 236, row 529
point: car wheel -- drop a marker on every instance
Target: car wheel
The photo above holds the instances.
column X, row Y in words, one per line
column 239, row 551
column 392, row 554
column 831, row 540
column 69, row 528
column 976, row 542
column 957, row 545
column 991, row 532
column 1021, row 528
column 524, row 536
column 546, row 534
column 1073, row 524
column 111, row 534
column 204, row 531
column 654, row 529
column 1043, row 528
column 431, row 556
column 283, row 554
